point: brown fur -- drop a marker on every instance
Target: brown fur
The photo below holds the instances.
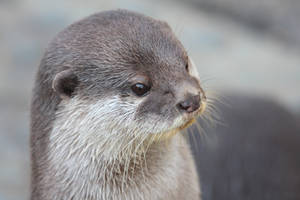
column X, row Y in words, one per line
column 88, row 62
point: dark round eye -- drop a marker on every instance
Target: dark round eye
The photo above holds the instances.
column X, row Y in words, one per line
column 187, row 67
column 140, row 89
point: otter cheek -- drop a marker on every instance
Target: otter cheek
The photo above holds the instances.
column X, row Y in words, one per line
column 152, row 105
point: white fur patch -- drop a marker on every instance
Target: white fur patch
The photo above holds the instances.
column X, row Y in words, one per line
column 89, row 136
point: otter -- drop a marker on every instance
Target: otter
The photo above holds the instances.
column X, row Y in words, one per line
column 110, row 94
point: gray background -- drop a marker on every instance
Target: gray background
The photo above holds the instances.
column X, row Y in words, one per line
column 246, row 46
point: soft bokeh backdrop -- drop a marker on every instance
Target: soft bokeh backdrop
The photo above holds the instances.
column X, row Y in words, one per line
column 247, row 46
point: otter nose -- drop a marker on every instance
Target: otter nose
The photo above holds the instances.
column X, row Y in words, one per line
column 190, row 104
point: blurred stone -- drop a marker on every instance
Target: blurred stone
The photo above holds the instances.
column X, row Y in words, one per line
column 252, row 154
column 276, row 16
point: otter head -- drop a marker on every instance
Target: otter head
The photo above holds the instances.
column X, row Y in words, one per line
column 121, row 76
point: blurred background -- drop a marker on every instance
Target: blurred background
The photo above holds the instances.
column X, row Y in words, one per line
column 249, row 47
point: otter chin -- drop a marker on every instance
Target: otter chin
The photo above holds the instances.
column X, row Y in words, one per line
column 111, row 90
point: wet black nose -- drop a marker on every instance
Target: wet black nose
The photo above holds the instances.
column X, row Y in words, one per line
column 189, row 105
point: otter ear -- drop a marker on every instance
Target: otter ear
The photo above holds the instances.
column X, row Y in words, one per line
column 64, row 84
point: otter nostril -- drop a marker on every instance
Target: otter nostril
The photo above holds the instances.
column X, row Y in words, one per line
column 190, row 105
column 184, row 105
column 167, row 92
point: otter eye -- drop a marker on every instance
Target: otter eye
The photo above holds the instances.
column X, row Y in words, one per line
column 140, row 89
column 187, row 67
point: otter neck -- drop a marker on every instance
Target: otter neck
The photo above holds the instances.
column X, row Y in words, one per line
column 95, row 166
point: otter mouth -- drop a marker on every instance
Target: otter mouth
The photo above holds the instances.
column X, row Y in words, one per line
column 201, row 109
column 189, row 119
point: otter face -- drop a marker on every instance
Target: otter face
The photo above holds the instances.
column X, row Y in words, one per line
column 166, row 98
column 133, row 76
